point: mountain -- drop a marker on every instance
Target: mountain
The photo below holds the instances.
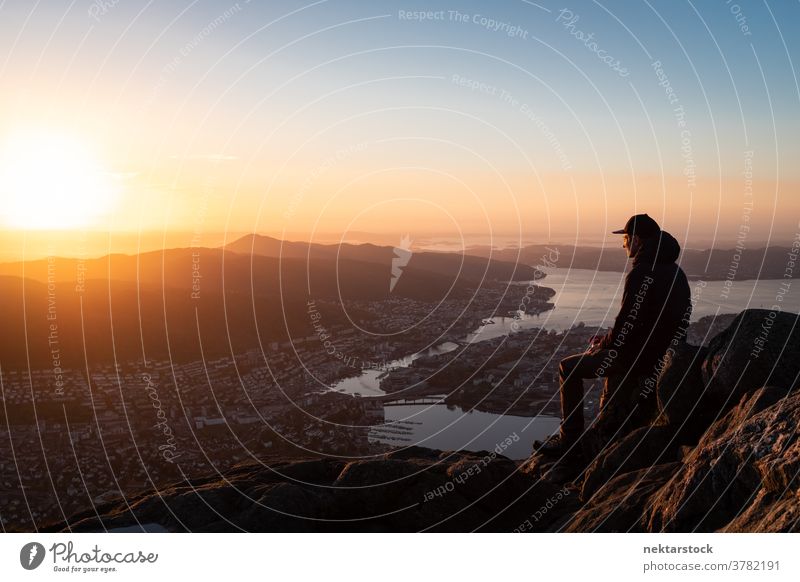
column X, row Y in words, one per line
column 722, row 454
column 710, row 264
column 473, row 268
column 185, row 304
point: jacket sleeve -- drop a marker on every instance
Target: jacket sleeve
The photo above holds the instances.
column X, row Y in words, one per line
column 633, row 281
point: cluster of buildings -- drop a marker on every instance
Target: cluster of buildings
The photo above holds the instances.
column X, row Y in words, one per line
column 514, row 374
column 134, row 427
column 137, row 427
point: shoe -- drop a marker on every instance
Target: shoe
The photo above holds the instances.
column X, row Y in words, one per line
column 555, row 446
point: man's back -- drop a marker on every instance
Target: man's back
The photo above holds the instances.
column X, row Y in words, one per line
column 656, row 305
column 656, row 308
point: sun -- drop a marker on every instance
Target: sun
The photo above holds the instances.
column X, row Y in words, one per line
column 51, row 181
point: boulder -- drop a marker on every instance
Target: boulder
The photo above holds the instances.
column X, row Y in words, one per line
column 702, row 331
column 618, row 506
column 749, row 405
column 683, row 401
column 645, row 446
column 411, row 490
column 625, row 405
column 768, row 515
column 761, row 347
column 743, row 468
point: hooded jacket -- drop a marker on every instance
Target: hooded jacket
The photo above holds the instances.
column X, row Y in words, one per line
column 656, row 307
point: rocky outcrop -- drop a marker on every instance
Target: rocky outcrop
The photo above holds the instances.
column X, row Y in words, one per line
column 746, row 461
column 760, row 347
column 644, row 447
column 682, row 398
column 702, row 331
column 617, row 507
column 731, row 416
column 414, row 489
column 722, row 454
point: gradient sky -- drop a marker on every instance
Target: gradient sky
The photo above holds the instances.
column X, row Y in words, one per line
column 340, row 116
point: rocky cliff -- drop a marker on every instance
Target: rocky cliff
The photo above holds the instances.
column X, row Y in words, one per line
column 722, row 454
column 415, row 489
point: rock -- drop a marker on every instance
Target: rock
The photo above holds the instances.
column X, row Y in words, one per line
column 738, row 475
column 476, row 477
column 285, row 506
column 556, row 471
column 415, row 452
column 415, row 490
column 646, row 446
column 619, row 505
column 682, row 399
column 702, row 331
column 768, row 515
column 749, row 405
column 625, row 405
column 760, row 347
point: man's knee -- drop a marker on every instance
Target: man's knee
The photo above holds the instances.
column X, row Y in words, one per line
column 566, row 366
column 563, row 369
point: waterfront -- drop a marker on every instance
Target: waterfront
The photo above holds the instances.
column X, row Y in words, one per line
column 368, row 382
column 593, row 297
column 590, row 297
column 451, row 429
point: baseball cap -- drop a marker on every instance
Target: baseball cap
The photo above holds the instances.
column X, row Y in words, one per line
column 640, row 224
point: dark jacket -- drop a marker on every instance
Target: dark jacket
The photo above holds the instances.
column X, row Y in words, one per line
column 656, row 307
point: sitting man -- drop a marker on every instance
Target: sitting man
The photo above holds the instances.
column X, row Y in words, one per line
column 655, row 301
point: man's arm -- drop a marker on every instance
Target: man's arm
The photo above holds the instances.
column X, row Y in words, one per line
column 633, row 281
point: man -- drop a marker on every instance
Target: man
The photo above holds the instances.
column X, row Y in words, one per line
column 655, row 300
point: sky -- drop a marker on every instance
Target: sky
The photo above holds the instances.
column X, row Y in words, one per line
column 193, row 122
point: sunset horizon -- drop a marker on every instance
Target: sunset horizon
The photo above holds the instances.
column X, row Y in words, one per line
column 183, row 142
column 399, row 266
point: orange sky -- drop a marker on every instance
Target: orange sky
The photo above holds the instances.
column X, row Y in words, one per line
column 143, row 129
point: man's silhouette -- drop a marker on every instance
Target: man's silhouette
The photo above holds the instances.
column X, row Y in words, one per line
column 655, row 301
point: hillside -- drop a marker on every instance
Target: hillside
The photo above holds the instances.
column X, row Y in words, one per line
column 722, row 454
column 469, row 267
column 187, row 304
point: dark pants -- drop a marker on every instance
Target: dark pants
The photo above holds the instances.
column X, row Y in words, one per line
column 571, row 372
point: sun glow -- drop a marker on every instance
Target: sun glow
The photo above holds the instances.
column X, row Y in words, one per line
column 50, row 181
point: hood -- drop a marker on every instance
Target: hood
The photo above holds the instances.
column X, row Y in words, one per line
column 658, row 250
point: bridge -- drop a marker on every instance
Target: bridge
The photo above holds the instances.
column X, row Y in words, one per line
column 421, row 400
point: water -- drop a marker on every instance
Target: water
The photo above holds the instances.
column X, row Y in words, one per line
column 593, row 297
column 439, row 427
column 582, row 295
column 368, row 382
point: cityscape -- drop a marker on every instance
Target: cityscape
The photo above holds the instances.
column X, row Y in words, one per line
column 84, row 440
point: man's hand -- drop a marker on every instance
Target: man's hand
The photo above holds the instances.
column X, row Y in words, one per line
column 595, row 343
